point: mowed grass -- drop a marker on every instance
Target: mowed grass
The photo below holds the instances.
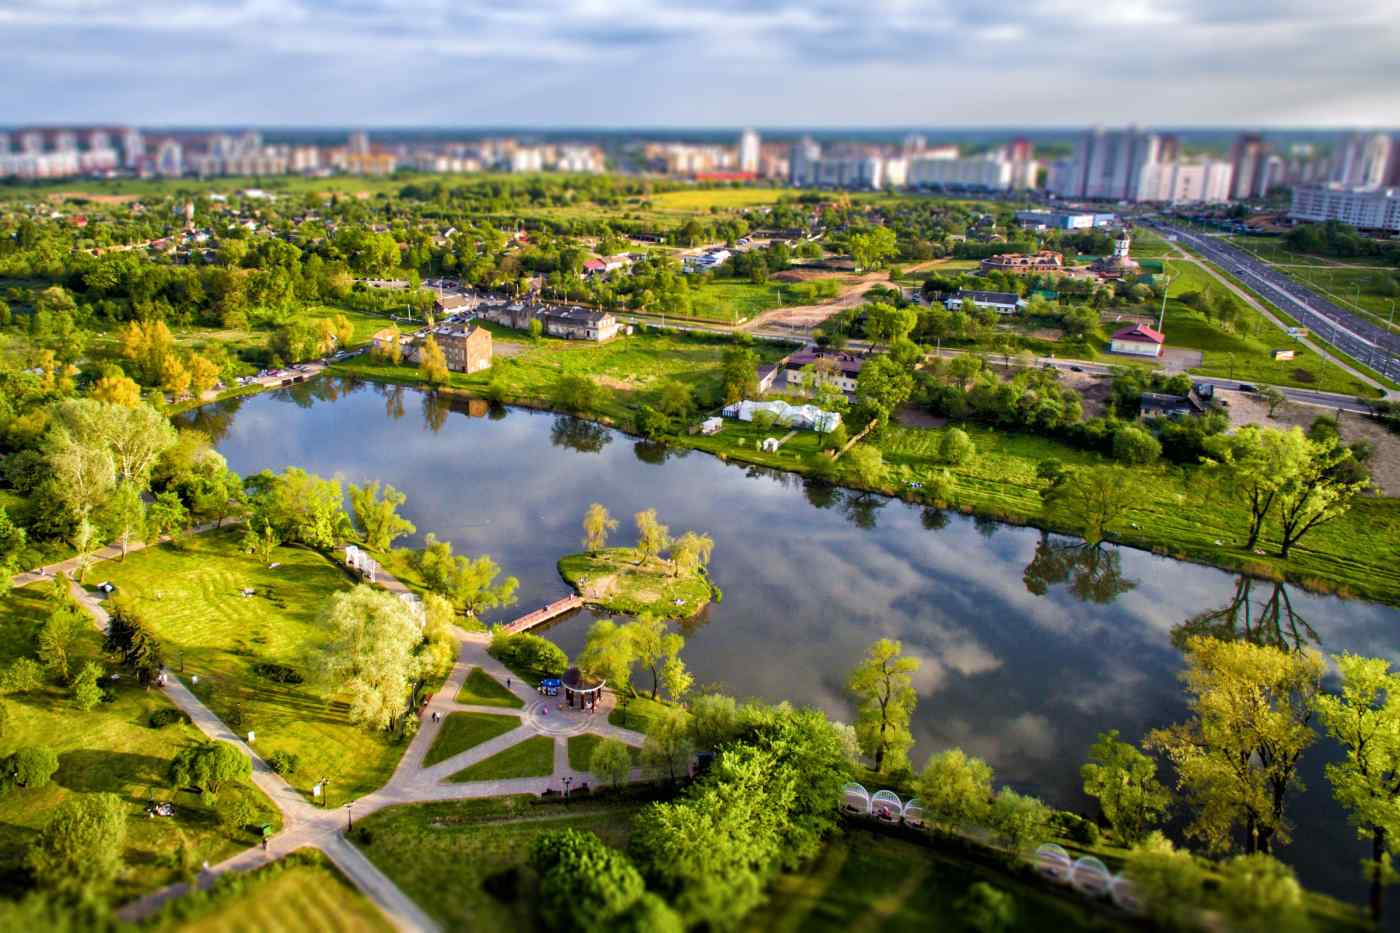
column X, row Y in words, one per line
column 308, row 894
column 866, row 881
column 702, row 199
column 444, row 855
column 481, row 689
column 618, row 580
column 533, row 757
column 190, row 595
column 581, row 749
column 110, row 748
column 731, row 301
column 461, row 731
column 627, row 370
column 636, row 713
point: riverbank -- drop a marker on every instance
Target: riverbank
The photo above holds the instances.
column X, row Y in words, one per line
column 622, row 580
column 1355, row 556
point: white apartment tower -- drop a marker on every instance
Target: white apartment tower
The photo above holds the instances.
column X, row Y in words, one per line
column 749, row 151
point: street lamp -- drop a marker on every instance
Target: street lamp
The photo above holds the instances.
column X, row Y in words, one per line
column 349, row 819
column 567, row 781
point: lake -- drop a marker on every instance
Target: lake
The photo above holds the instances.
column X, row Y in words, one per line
column 1030, row 645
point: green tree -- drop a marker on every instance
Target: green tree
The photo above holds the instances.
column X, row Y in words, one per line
column 432, row 363
column 1124, row 781
column 956, row 789
column 1364, row 719
column 301, row 507
column 1134, row 445
column 675, row 399
column 883, row 385
column 986, row 909
column 652, row 537
column 167, row 515
column 1169, row 882
column 866, row 465
column 691, row 551
column 1020, row 821
column 668, row 744
column 31, row 766
column 871, row 248
column 1321, row 491
column 79, row 850
column 714, row 720
column 575, row 393
column 371, row 653
column 1099, row 496
column 208, row 766
column 1253, row 465
column 469, row 584
column 1237, row 757
column 886, row 324
column 86, row 692
column 882, row 687
column 956, row 447
column 740, row 372
column 60, row 636
column 584, row 884
column 597, row 524
column 131, row 642
column 610, row 762
column 608, row 654
column 653, row 645
column 1260, row 894
column 378, row 514
column 125, row 516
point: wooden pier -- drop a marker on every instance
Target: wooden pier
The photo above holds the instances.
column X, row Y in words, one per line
column 542, row 615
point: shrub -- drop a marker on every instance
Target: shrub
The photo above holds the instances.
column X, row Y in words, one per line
column 1258, row 892
column 524, row 651
column 956, row 447
column 277, row 673
column 166, row 716
column 32, row 766
column 504, row 886
column 986, row 909
column 583, row 883
column 283, row 762
column 956, row 789
column 1169, row 882
column 1132, row 444
column 1020, row 821
column 1075, row 828
column 364, row 836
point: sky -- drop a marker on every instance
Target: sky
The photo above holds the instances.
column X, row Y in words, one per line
column 696, row 63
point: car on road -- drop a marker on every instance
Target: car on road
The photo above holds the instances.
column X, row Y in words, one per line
column 1076, row 369
column 1247, row 387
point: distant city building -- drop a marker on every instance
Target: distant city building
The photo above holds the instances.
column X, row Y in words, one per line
column 1249, row 158
column 170, row 158
column 358, row 143
column 749, row 149
column 1063, row 220
column 1362, row 160
column 1107, row 165
column 1368, row 208
column 989, row 173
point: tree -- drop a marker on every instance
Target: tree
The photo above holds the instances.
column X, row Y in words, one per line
column 1260, row 894
column 956, row 447
column 79, row 850
column 167, row 515
column 1132, row 444
column 887, row 324
column 691, row 551
column 174, row 377
column 652, row 536
column 535, row 329
column 371, row 653
column 575, row 393
column 125, row 516
column 208, row 766
column 1124, row 781
column 1098, row 495
column 204, row 374
column 653, row 646
column 1169, row 882
column 132, row 643
column 1321, row 490
column 883, row 385
column 870, row 249
column 60, row 635
column 31, row 766
column 584, row 884
column 377, row 515
column 1020, row 821
column 608, row 653
column 956, row 789
column 675, row 399
column 986, row 909
column 884, row 694
column 300, row 506
column 611, row 762
column 470, row 584
column 668, row 746
column 1254, row 464
column 261, row 544
column 867, row 465
column 597, row 524
column 1237, row 757
column 740, row 371
column 24, row 675
column 714, row 720
column 1272, row 397
column 117, row 390
column 432, row 363
column 86, row 692
column 1364, row 719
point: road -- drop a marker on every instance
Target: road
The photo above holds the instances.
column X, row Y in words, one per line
column 1348, row 332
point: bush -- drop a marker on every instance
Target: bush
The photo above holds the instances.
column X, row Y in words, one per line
column 1020, row 821
column 1258, row 892
column 32, row 766
column 526, row 652
column 1134, row 445
column 583, row 883
column 1169, row 882
column 956, row 447
column 364, row 836
column 283, row 762
column 277, row 673
column 986, row 909
column 1075, row 828
column 504, row 886
column 166, row 716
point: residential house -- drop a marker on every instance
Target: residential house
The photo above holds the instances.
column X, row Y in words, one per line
column 838, row 369
column 467, row 347
column 446, row 304
column 604, row 264
column 579, row 323
column 1138, row 340
column 1196, row 402
column 1000, row 302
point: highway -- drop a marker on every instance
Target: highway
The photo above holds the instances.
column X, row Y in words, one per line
column 1359, row 338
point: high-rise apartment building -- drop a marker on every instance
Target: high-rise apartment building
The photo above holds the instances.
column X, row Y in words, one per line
column 749, row 148
column 1362, row 160
column 1369, row 208
column 1107, row 164
column 1250, row 160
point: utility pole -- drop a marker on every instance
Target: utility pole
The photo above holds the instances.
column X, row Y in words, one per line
column 1162, row 316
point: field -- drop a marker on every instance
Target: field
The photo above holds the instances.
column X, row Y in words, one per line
column 461, row 731
column 731, row 301
column 303, row 893
column 581, row 750
column 617, row 580
column 190, row 595
column 481, row 689
column 866, row 881
column 533, row 757
column 701, row 200
column 636, row 712
column 110, row 748
column 465, row 863
column 628, row 370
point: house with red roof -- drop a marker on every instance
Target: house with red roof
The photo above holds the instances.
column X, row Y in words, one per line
column 1138, row 340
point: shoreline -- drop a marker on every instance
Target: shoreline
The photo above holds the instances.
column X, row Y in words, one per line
column 1156, row 547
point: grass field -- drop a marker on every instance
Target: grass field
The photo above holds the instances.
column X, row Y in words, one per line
column 702, row 199
column 731, row 301
column 635, row 713
column 533, row 757
column 461, row 731
column 581, row 750
column 451, row 857
column 304, row 893
column 481, row 689
column 617, row 580
column 111, row 748
column 191, row 597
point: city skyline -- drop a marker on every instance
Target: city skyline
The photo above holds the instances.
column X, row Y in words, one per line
column 306, row 64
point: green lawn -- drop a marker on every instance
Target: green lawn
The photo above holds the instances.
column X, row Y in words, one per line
column 702, row 199
column 303, row 893
column 616, row 579
column 111, row 748
column 481, row 689
column 867, row 881
column 466, row 862
column 461, row 731
column 581, row 750
column 1374, row 293
column 635, row 713
column 731, row 301
column 191, row 597
column 533, row 757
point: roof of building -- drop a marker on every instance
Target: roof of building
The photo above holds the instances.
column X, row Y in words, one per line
column 577, row 315
column 991, row 298
column 847, row 362
column 1140, row 333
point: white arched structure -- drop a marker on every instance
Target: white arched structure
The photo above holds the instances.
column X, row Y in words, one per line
column 886, row 805
column 855, row 798
column 1090, row 877
column 913, row 813
column 1124, row 894
column 1053, row 862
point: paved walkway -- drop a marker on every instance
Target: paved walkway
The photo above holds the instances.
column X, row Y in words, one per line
column 306, row 825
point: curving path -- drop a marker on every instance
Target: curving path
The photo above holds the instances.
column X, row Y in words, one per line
column 304, row 824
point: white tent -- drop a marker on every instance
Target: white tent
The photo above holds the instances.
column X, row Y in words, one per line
column 795, row 416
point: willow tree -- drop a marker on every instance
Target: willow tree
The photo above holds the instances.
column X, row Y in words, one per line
column 884, row 693
column 598, row 523
column 376, row 512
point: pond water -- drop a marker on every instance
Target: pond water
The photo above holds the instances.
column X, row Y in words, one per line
column 1029, row 645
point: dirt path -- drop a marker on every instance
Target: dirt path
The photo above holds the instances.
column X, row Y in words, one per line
column 806, row 317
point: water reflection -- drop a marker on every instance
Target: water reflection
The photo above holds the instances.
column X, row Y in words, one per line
column 1094, row 571
column 577, row 434
column 1267, row 617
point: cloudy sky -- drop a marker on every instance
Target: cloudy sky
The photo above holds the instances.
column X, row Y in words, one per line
column 702, row 62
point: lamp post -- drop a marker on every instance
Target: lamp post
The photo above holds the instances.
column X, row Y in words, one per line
column 349, row 818
column 567, row 781
column 1162, row 316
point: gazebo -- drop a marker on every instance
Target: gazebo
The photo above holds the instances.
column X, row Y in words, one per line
column 587, row 689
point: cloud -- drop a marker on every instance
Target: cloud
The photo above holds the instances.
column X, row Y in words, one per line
column 686, row 63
